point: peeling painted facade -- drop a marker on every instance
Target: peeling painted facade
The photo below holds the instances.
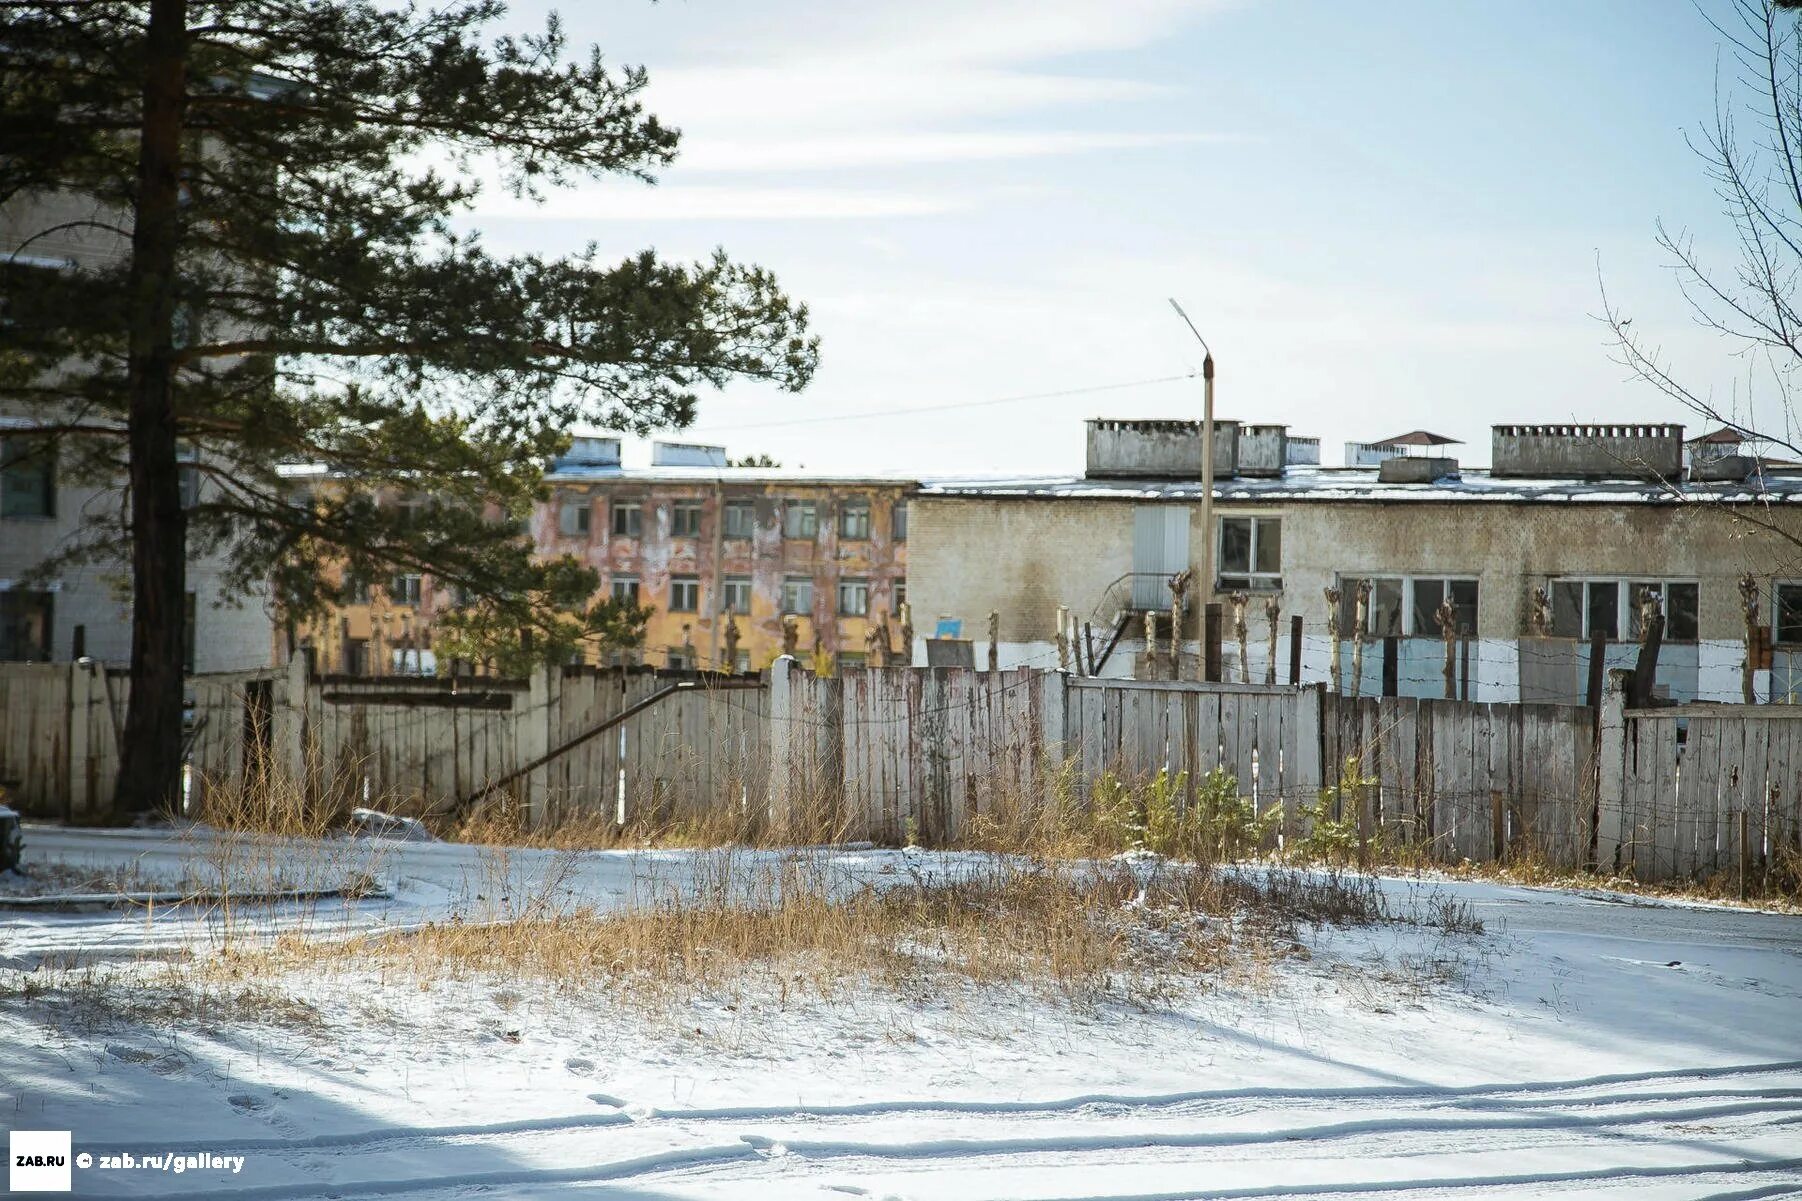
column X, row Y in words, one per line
column 712, row 540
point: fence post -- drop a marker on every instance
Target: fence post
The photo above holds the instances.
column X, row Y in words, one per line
column 1392, row 667
column 1744, row 852
column 84, row 780
column 782, row 765
column 535, row 741
column 1210, row 651
column 1307, row 776
column 1598, row 665
column 1295, row 650
column 1611, row 771
column 288, row 722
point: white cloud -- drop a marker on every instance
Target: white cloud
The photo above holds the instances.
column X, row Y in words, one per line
column 641, row 203
column 837, row 151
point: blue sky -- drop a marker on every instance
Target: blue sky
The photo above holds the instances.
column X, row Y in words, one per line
column 1381, row 216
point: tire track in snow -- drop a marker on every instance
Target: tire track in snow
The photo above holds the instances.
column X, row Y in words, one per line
column 1499, row 1180
column 962, row 1148
column 741, row 1113
column 698, row 1162
column 1532, row 1094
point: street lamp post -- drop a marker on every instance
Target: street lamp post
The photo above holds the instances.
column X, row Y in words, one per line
column 1206, row 582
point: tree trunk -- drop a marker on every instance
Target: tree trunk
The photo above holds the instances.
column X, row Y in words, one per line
column 150, row 762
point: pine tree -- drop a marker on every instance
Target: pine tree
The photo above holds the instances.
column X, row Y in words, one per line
column 283, row 180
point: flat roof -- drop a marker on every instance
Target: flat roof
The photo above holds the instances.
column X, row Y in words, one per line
column 576, row 473
column 1360, row 484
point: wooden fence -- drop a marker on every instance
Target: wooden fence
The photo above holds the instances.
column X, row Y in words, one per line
column 1699, row 788
column 1465, row 780
column 924, row 752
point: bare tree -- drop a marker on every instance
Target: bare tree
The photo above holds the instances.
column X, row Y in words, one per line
column 1753, row 154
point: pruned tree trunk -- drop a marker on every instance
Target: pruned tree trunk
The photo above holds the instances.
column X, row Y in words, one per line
column 1273, row 613
column 150, row 760
column 1332, row 632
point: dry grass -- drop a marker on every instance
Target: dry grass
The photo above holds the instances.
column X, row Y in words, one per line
column 794, row 928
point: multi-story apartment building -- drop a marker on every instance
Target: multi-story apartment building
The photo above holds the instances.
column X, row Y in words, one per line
column 759, row 550
column 46, row 507
column 744, row 558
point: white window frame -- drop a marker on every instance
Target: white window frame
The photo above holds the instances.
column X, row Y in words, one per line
column 409, row 594
column 1348, row 582
column 1256, row 581
column 855, row 585
column 583, row 509
column 811, row 520
column 632, row 509
column 797, row 581
column 863, row 511
column 685, row 508
column 1775, row 610
column 1625, row 602
column 731, row 589
column 729, row 510
column 686, row 582
column 623, row 582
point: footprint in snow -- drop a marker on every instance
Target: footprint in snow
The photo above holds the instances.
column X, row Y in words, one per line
column 247, row 1102
column 578, row 1065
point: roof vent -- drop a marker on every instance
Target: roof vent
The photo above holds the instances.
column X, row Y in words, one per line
column 687, row 454
column 1591, row 452
column 1301, row 452
column 589, row 452
column 1415, row 469
column 1263, row 450
column 1166, row 450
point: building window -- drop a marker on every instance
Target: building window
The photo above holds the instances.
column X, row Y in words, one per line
column 898, row 521
column 356, row 656
column 189, row 630
column 854, row 598
column 628, row 518
column 354, row 590
column 797, row 594
column 900, row 594
column 189, row 477
column 1426, row 594
column 684, row 594
column 573, row 517
column 800, row 519
column 854, row 520
column 1408, row 606
column 846, row 659
column 1251, row 554
column 740, row 519
column 26, row 619
column 408, row 512
column 27, row 477
column 1678, row 600
column 404, row 589
column 685, row 519
column 625, row 589
column 738, row 594
column 1585, row 608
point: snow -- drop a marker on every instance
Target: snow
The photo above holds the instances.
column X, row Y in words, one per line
column 1584, row 1041
column 1312, row 483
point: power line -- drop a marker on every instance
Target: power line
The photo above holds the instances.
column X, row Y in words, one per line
column 963, row 404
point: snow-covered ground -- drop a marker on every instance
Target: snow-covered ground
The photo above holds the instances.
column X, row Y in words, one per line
column 1579, row 1045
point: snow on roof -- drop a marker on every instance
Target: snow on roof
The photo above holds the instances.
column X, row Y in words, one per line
column 1307, row 483
column 578, row 473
